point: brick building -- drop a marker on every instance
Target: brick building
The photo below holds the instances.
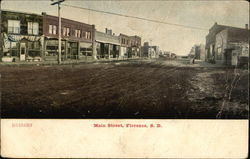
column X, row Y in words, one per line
column 135, row 46
column 33, row 37
column 125, row 46
column 130, row 46
column 22, row 36
column 150, row 51
column 77, row 39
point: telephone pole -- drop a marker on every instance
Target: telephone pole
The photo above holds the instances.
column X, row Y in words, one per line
column 150, row 47
column 58, row 2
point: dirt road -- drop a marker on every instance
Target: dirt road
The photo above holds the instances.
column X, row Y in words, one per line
column 141, row 89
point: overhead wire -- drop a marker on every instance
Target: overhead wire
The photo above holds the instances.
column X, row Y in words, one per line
column 136, row 17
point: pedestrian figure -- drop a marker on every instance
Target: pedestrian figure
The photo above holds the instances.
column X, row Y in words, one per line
column 193, row 60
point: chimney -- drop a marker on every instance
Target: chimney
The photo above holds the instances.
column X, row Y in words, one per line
column 246, row 26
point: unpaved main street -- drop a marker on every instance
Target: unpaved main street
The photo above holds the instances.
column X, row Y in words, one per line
column 136, row 89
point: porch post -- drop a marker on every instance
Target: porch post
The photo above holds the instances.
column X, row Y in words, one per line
column 108, row 51
column 78, row 50
column 44, row 49
column 66, row 49
column 94, row 53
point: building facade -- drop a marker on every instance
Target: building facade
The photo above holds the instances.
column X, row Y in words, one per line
column 77, row 39
column 225, row 44
column 125, row 46
column 107, row 45
column 150, row 51
column 130, row 46
column 210, row 41
column 229, row 43
column 135, row 42
column 22, row 35
column 34, row 37
column 198, row 52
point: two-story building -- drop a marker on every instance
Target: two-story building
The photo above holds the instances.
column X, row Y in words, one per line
column 77, row 39
column 149, row 51
column 135, row 44
column 130, row 46
column 125, row 46
column 22, row 36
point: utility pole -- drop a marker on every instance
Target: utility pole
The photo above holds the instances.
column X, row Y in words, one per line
column 150, row 47
column 58, row 2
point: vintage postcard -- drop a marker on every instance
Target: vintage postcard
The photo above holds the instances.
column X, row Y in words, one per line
column 124, row 78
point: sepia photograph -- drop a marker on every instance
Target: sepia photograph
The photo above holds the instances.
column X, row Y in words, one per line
column 124, row 78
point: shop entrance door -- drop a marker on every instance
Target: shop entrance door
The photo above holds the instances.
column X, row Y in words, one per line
column 23, row 51
column 228, row 57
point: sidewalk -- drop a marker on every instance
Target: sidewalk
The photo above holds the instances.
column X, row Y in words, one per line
column 66, row 62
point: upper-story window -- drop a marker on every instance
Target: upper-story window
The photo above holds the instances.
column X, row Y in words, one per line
column 132, row 43
column 87, row 35
column 33, row 28
column 66, row 31
column 52, row 29
column 14, row 26
column 78, row 33
column 123, row 41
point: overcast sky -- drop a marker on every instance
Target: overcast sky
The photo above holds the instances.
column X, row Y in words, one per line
column 172, row 38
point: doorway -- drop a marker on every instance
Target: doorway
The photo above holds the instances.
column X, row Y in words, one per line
column 23, row 51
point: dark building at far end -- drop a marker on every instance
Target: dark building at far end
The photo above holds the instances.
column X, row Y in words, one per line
column 197, row 52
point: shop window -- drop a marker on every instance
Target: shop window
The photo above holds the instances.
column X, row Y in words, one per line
column 14, row 26
column 33, row 48
column 33, row 53
column 33, row 45
column 85, row 51
column 33, row 28
column 52, row 48
column 14, row 49
column 7, row 45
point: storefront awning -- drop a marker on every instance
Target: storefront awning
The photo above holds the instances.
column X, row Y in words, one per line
column 108, row 42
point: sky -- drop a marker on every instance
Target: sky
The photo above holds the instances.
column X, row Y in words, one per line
column 202, row 14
